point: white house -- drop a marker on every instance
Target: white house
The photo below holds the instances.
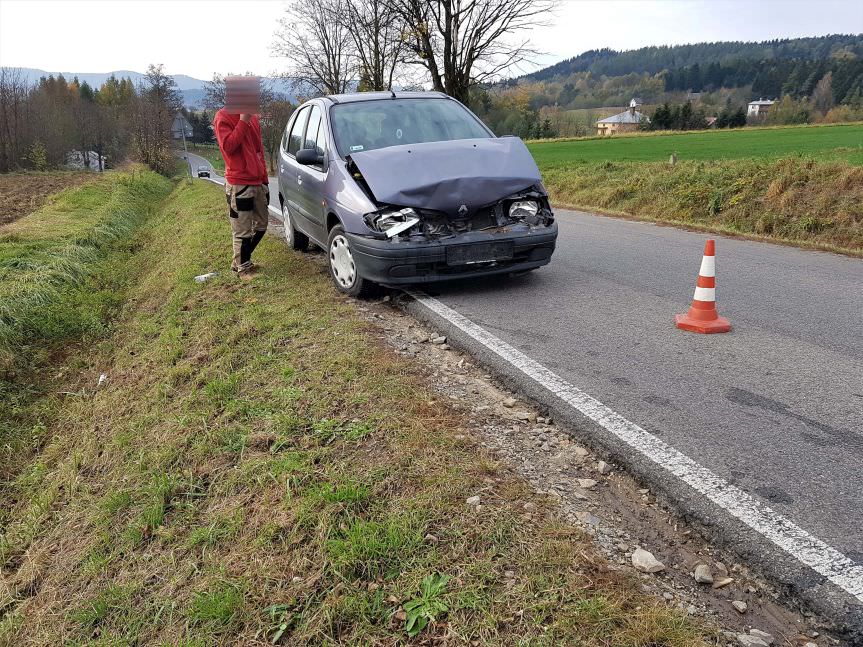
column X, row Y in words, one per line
column 626, row 121
column 759, row 108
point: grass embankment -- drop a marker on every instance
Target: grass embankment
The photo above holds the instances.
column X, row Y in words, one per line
column 258, row 468
column 727, row 181
column 63, row 271
column 209, row 152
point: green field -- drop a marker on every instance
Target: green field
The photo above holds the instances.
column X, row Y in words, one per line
column 209, row 152
column 841, row 141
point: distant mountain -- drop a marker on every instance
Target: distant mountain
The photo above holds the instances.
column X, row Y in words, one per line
column 191, row 88
column 655, row 59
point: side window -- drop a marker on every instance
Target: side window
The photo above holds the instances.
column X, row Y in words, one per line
column 311, row 140
column 295, row 139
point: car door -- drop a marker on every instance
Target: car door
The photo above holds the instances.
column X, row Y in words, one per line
column 311, row 178
column 288, row 167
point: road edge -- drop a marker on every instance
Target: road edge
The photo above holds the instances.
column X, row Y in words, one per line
column 795, row 581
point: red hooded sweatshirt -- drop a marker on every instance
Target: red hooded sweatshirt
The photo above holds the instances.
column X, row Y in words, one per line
column 242, row 149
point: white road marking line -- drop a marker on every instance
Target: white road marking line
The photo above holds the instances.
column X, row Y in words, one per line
column 782, row 532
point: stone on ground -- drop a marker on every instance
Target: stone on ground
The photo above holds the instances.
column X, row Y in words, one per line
column 645, row 562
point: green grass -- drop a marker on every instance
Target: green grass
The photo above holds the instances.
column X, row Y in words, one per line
column 802, row 185
column 841, row 141
column 64, row 270
column 258, row 467
column 209, row 152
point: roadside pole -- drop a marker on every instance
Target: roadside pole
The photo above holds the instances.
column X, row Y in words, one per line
column 186, row 150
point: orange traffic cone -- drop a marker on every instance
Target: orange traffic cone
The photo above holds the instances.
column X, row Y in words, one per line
column 702, row 316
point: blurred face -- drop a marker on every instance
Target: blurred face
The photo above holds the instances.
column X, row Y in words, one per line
column 243, row 95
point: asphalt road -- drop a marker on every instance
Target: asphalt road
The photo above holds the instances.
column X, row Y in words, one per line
column 774, row 407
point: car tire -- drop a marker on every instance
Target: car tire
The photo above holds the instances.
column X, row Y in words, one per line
column 295, row 239
column 343, row 270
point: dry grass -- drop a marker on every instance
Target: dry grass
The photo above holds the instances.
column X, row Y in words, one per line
column 258, row 469
column 796, row 200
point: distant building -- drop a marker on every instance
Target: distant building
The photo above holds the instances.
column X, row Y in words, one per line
column 180, row 126
column 624, row 122
column 759, row 108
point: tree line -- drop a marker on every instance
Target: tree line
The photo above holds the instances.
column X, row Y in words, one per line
column 796, row 78
column 45, row 124
column 656, row 59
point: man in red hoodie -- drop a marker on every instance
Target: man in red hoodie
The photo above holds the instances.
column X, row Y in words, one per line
column 246, row 184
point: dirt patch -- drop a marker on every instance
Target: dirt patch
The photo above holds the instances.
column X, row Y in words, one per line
column 24, row 193
column 621, row 514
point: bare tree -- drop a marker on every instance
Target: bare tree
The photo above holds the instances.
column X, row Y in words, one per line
column 274, row 117
column 157, row 102
column 214, row 92
column 822, row 95
column 318, row 47
column 465, row 42
column 13, row 109
column 377, row 33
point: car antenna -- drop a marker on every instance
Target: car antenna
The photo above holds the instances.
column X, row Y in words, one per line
column 392, row 94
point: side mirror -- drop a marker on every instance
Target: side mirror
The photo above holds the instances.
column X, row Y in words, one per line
column 310, row 157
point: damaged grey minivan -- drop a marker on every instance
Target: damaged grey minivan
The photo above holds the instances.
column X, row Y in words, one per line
column 410, row 187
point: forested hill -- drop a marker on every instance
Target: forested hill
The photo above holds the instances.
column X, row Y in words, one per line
column 653, row 60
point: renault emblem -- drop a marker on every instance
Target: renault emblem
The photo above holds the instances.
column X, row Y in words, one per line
column 462, row 210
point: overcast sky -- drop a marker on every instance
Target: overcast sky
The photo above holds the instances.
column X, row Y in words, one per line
column 201, row 37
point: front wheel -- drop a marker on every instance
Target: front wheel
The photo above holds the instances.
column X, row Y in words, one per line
column 343, row 269
column 295, row 239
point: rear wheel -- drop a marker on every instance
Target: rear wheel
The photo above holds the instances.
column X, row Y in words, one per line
column 343, row 269
column 295, row 239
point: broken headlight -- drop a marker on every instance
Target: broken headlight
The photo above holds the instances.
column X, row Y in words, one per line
column 391, row 222
column 524, row 210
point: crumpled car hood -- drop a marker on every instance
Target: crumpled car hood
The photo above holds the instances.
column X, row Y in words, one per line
column 443, row 176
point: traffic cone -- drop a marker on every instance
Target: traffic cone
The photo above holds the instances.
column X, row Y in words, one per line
column 702, row 316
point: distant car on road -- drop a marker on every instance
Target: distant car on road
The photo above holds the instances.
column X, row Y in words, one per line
column 203, row 171
column 410, row 187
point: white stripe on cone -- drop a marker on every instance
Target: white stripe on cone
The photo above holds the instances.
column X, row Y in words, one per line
column 705, row 294
column 708, row 266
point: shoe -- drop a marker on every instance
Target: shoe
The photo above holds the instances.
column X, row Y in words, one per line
column 246, row 275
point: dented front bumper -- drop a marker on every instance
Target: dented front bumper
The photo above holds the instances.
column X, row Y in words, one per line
column 475, row 253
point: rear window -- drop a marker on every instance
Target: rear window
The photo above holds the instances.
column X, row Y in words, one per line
column 368, row 125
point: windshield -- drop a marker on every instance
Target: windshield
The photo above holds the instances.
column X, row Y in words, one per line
column 367, row 125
